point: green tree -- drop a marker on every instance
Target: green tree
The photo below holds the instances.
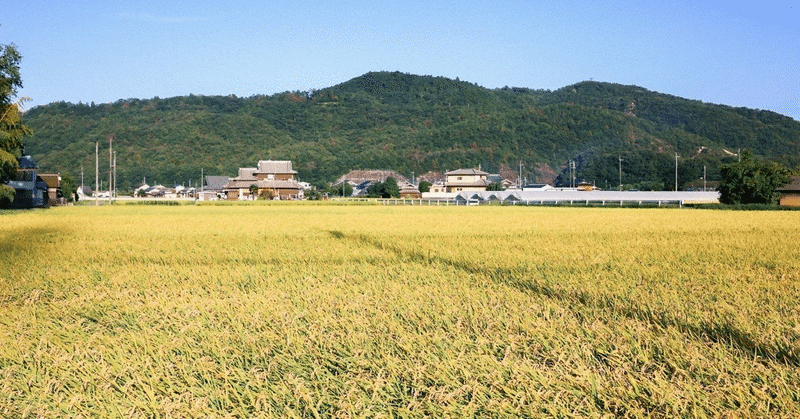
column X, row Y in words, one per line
column 337, row 190
column 495, row 186
column 313, row 194
column 254, row 190
column 390, row 188
column 424, row 186
column 375, row 190
column 68, row 187
column 751, row 181
column 12, row 131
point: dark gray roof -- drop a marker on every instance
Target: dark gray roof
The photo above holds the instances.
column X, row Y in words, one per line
column 216, row 182
column 792, row 186
column 26, row 162
column 275, row 166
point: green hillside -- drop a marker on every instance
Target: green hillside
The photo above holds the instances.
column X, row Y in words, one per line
column 411, row 124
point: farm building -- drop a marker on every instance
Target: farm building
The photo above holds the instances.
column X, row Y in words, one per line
column 30, row 188
column 790, row 193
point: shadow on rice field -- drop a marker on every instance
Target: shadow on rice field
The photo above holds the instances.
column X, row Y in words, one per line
column 739, row 342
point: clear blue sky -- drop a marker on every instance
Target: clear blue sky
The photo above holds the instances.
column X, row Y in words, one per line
column 738, row 54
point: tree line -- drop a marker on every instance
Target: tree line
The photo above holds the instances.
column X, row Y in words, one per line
column 415, row 124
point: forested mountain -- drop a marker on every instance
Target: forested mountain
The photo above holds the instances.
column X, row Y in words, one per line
column 411, row 124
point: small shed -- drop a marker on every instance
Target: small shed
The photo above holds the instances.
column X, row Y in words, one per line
column 790, row 193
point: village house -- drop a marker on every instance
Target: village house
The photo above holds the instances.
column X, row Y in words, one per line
column 458, row 181
column 273, row 179
column 466, row 180
column 790, row 193
column 408, row 190
column 213, row 188
column 31, row 188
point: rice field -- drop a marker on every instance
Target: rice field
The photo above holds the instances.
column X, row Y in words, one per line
column 247, row 311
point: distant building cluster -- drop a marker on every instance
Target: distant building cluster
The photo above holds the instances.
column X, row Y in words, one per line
column 277, row 180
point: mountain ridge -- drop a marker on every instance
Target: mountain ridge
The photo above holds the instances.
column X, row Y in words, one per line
column 412, row 123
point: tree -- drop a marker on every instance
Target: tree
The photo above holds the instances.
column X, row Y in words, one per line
column 390, row 188
column 375, row 190
column 254, row 190
column 337, row 190
column 751, row 181
column 68, row 188
column 424, row 186
column 11, row 129
column 495, row 186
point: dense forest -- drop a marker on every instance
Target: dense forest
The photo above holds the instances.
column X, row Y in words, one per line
column 412, row 124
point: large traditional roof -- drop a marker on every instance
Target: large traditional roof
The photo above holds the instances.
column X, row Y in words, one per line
column 216, row 182
column 275, row 166
column 246, row 173
column 263, row 184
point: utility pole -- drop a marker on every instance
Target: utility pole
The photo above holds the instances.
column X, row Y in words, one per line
column 519, row 181
column 110, row 167
column 96, row 171
column 704, row 178
column 620, row 173
column 572, row 173
column 676, row 172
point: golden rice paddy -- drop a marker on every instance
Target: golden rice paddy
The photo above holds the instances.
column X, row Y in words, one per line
column 369, row 311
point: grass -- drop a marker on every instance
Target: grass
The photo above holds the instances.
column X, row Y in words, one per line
column 370, row 311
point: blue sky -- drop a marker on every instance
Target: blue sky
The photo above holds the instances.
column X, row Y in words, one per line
column 738, row 54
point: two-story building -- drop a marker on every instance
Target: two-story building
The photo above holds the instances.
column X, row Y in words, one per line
column 466, row 180
column 272, row 179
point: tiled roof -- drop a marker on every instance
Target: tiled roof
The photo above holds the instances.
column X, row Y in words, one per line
column 466, row 172
column 278, row 184
column 246, row 173
column 216, row 182
column 275, row 166
column 263, row 184
column 479, row 182
column 360, row 176
column 792, row 186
